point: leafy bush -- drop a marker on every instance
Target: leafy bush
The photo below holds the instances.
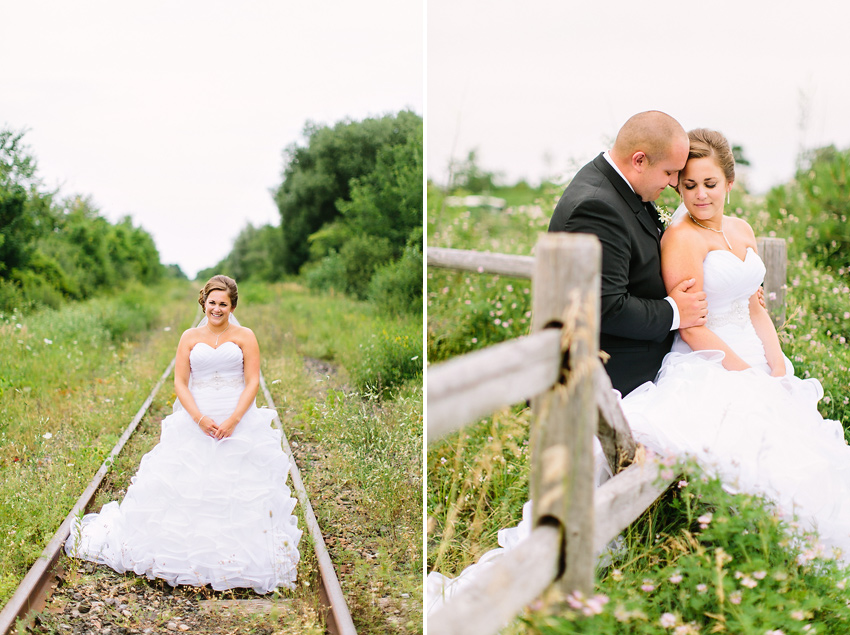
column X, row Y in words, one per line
column 361, row 256
column 397, row 287
column 326, row 274
column 814, row 208
column 388, row 358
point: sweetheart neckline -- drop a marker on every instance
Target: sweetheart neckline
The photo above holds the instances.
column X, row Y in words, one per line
column 215, row 348
column 725, row 251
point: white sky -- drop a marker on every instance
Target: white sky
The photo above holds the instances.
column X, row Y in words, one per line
column 540, row 85
column 177, row 113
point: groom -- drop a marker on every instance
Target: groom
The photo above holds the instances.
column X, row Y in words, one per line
column 612, row 197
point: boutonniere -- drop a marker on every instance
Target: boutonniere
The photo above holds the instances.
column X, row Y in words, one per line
column 664, row 214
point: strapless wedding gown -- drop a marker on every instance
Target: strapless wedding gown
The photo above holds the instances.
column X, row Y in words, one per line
column 201, row 511
column 759, row 434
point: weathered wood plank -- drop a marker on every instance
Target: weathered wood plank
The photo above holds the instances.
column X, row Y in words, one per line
column 620, row 500
column 517, row 578
column 481, row 262
column 613, row 430
column 468, row 387
column 566, row 292
column 773, row 252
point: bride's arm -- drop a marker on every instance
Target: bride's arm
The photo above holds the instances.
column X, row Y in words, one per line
column 767, row 334
column 247, row 341
column 182, row 370
column 682, row 255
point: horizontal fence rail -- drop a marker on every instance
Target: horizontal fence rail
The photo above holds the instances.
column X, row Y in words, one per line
column 481, row 262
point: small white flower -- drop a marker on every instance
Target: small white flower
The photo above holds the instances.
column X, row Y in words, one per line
column 167, row 328
column 668, row 620
column 47, row 341
column 46, row 435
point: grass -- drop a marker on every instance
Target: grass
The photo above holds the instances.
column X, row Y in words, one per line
column 71, row 381
column 478, row 478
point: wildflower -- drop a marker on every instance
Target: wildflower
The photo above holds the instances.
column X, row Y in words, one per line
column 647, row 586
column 594, row 605
column 668, row 620
column 167, row 328
column 704, row 520
column 667, row 474
column 683, row 484
column 735, row 597
column 47, row 341
column 798, row 615
column 749, row 582
column 676, row 578
column 443, row 460
column 617, row 575
column 46, row 435
column 702, row 588
column 776, row 632
column 760, row 575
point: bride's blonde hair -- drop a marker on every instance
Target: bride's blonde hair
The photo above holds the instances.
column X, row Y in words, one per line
column 220, row 283
column 710, row 143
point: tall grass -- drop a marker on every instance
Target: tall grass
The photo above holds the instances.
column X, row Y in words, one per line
column 478, row 478
column 72, row 379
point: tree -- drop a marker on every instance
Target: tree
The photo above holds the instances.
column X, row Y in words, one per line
column 19, row 223
column 319, row 174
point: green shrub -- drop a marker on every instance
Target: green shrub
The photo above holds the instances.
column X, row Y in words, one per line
column 397, row 287
column 361, row 256
column 388, row 358
column 326, row 274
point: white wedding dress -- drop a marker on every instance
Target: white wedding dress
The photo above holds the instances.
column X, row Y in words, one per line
column 202, row 511
column 759, row 434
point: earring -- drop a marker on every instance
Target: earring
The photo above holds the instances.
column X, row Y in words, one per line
column 728, row 197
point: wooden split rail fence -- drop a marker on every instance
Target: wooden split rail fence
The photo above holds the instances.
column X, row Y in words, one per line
column 558, row 369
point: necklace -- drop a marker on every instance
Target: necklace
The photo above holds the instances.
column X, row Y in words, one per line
column 222, row 333
column 716, row 231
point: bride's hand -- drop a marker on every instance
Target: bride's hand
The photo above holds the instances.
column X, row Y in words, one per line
column 225, row 429
column 208, row 426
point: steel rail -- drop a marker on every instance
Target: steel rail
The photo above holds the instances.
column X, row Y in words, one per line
column 341, row 617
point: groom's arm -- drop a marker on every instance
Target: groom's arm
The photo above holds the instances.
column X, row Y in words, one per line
column 622, row 313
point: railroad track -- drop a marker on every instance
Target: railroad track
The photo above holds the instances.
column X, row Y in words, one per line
column 34, row 590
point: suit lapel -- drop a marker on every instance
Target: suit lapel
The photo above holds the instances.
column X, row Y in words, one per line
column 646, row 218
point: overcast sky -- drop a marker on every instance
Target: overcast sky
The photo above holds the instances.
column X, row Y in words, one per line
column 177, row 113
column 538, row 85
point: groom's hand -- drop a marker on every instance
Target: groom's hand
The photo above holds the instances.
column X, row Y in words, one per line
column 693, row 308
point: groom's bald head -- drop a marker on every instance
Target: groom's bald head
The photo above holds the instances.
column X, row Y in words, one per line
column 652, row 132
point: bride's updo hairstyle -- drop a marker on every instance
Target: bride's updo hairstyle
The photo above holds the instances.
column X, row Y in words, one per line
column 710, row 143
column 220, row 283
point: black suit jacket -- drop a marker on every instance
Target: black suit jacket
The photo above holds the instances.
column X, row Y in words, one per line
column 636, row 319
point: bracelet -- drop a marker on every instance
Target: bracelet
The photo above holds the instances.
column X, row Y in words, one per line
column 201, row 419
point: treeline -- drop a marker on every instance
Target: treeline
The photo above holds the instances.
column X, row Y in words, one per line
column 350, row 205
column 53, row 250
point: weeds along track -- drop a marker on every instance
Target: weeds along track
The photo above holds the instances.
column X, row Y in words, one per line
column 41, row 581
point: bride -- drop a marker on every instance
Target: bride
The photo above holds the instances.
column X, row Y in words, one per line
column 209, row 504
column 725, row 394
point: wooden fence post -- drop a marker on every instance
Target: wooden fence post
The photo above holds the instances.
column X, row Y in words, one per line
column 773, row 252
column 566, row 286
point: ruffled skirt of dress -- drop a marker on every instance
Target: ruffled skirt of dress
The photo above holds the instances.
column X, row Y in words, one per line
column 201, row 511
column 759, row 434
